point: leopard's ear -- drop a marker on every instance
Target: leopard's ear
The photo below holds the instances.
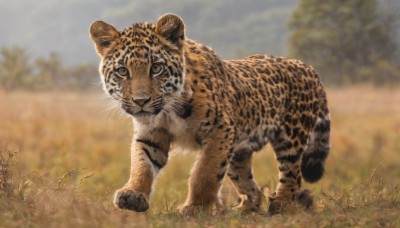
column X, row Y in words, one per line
column 104, row 36
column 172, row 28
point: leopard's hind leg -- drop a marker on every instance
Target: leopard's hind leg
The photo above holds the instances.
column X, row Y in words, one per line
column 241, row 176
column 289, row 145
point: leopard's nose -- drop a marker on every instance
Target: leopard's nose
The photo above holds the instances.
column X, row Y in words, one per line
column 141, row 101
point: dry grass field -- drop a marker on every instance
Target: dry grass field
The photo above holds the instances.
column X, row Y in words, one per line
column 64, row 154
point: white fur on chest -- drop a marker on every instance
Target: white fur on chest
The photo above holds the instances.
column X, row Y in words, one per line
column 183, row 135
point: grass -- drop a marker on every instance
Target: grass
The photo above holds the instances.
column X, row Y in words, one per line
column 62, row 156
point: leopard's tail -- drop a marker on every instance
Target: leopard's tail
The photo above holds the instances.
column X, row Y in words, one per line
column 312, row 165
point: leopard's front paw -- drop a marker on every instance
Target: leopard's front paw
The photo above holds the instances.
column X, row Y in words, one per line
column 190, row 210
column 130, row 200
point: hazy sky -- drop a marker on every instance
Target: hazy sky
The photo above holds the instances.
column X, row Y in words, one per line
column 231, row 27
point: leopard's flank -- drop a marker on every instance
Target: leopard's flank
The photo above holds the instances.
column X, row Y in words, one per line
column 179, row 92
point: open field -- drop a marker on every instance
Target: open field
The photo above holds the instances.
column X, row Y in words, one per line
column 72, row 153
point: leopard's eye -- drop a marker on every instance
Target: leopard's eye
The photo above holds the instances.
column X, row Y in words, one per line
column 156, row 69
column 123, row 71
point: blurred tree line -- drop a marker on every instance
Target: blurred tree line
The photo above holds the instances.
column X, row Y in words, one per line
column 17, row 71
column 232, row 27
column 347, row 41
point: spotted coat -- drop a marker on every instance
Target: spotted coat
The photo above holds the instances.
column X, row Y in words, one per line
column 181, row 94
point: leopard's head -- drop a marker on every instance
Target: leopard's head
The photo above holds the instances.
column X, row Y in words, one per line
column 142, row 67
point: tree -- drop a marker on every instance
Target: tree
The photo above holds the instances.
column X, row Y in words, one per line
column 15, row 68
column 84, row 77
column 47, row 73
column 51, row 73
column 340, row 37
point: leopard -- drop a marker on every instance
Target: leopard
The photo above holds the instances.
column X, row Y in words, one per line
column 180, row 94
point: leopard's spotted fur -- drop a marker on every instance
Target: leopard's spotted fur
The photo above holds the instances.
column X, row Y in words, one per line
column 180, row 92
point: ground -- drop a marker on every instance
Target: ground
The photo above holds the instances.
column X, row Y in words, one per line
column 70, row 153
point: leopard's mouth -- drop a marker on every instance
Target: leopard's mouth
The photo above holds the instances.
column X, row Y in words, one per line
column 142, row 112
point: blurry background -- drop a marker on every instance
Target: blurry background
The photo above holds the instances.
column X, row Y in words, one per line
column 347, row 41
column 64, row 147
